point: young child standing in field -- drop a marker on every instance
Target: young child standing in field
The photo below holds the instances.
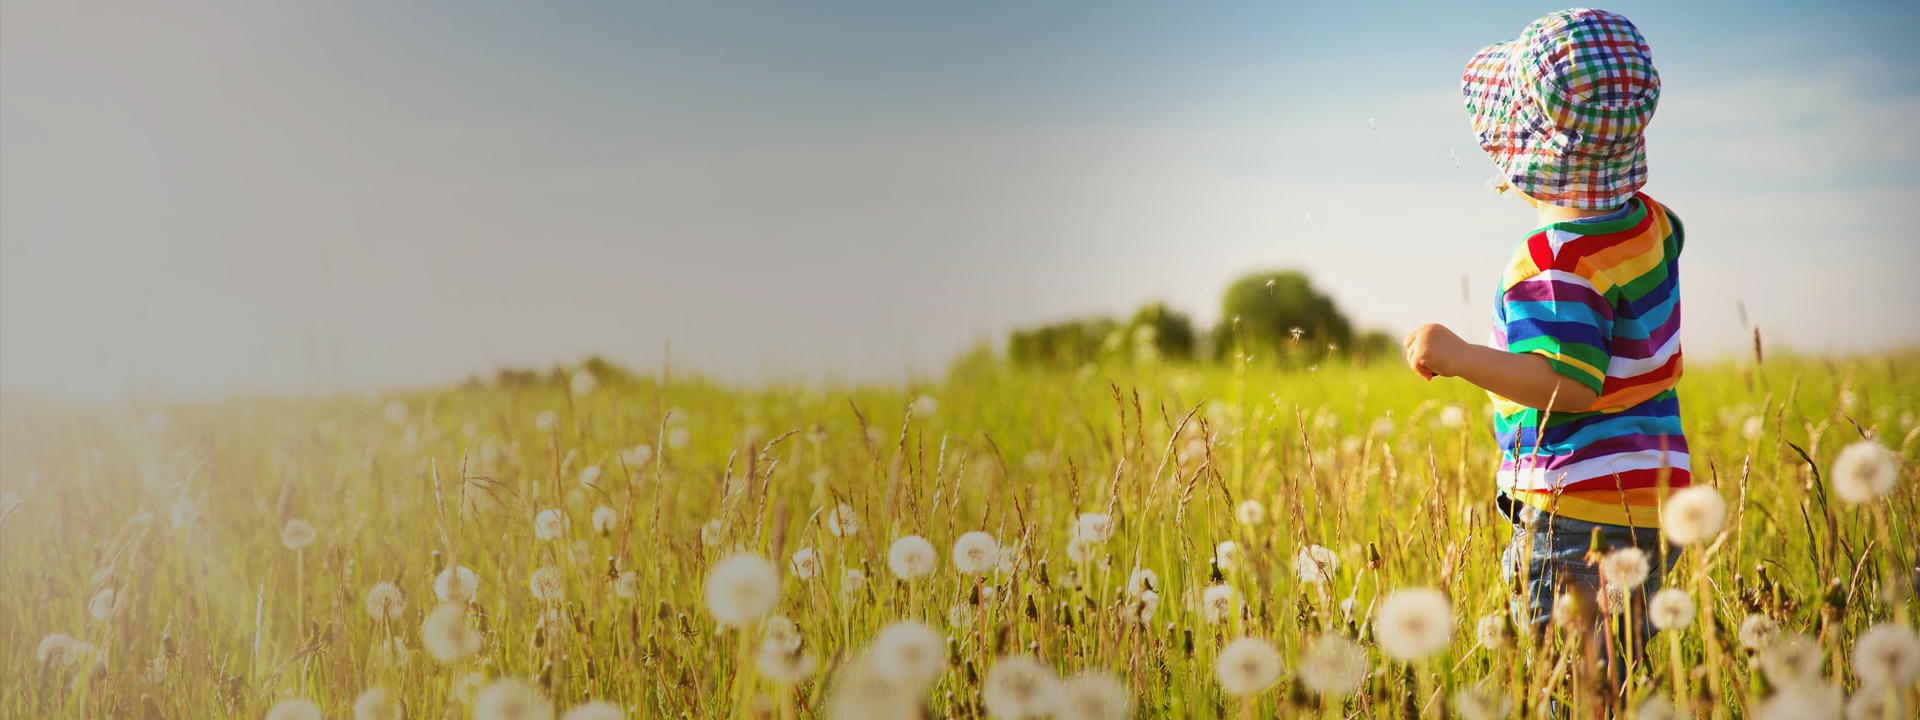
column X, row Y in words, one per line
column 1585, row 351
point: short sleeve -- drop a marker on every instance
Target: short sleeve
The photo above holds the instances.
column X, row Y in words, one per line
column 1560, row 315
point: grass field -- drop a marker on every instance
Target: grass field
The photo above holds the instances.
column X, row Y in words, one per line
column 154, row 565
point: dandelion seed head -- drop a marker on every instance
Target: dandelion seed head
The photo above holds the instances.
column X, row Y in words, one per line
column 853, row 581
column 1315, row 565
column 1142, row 580
column 1414, row 623
column 549, row 524
column 925, row 405
column 861, row 692
column 1656, row 707
column 1864, row 472
column 60, row 651
column 294, row 709
column 446, row 636
column 1247, row 666
column 1874, row 702
column 547, row 585
column 1333, row 665
column 590, row 477
column 805, row 563
column 781, row 632
column 1094, row 527
column 297, row 534
column 1806, row 701
column 1216, row 604
column 1792, row 659
column 377, row 703
column 456, row 584
column 1227, row 555
column 1480, row 703
column 679, row 437
column 511, row 699
column 547, row 421
column 909, row 652
column 1887, row 654
column 782, row 665
column 595, row 710
column 975, row 553
column 583, row 382
column 604, row 520
column 1452, row 417
column 1753, row 428
column 103, row 604
column 1093, row 695
column 1077, row 549
column 1625, row 568
column 637, row 456
column 1493, row 632
column 1251, row 512
column 912, row 558
column 1020, row 686
column 1757, row 631
column 1693, row 514
column 1144, row 608
column 741, row 589
column 842, row 521
column 627, row 585
column 386, row 602
column 960, row 615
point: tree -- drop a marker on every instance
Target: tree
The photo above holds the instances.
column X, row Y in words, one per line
column 1169, row 333
column 1277, row 310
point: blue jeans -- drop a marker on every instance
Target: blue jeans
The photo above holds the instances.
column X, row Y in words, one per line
column 1556, row 551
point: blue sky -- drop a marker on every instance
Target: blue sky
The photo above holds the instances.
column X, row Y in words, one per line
column 211, row 197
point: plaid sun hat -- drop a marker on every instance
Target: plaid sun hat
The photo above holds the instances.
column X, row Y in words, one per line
column 1561, row 108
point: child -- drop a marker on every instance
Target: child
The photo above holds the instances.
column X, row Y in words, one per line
column 1585, row 351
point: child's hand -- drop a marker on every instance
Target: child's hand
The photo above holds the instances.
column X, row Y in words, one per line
column 1433, row 350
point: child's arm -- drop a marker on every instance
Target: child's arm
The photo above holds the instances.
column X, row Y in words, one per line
column 1525, row 378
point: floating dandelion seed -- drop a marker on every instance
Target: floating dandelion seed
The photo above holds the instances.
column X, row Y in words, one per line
column 294, row 709
column 1499, row 184
column 1625, row 568
column 456, row 584
column 741, row 589
column 912, row 558
column 1494, row 633
column 1807, row 701
column 297, row 534
column 103, row 604
column 386, row 602
column 1093, row 695
column 396, row 413
column 1333, row 665
column 1251, row 512
column 1864, row 472
column 842, row 521
column 1020, row 687
column 1670, row 609
column 595, row 710
column 547, row 585
column 1216, row 604
column 1477, row 703
column 806, row 563
column 1414, row 623
column 1370, row 124
column 1693, row 514
column 1756, row 631
column 1887, row 655
column 1247, row 666
column 782, row 665
column 975, row 553
column 604, row 520
column 511, row 699
column 377, row 703
column 446, row 636
column 1094, row 527
column 1315, row 565
column 627, row 585
column 1792, row 659
column 549, row 524
column 1142, row 580
column 1451, row 152
column 909, row 652
column 583, row 382
column 590, row 477
column 1309, row 218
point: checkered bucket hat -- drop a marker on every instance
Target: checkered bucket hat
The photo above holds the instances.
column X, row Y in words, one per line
column 1561, row 108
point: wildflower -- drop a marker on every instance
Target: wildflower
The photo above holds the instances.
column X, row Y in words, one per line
column 549, row 524
column 1757, row 631
column 446, row 636
column 1333, row 665
column 975, row 553
column 1864, row 472
column 1093, row 695
column 547, row 421
column 1217, row 603
column 456, row 584
column 912, row 558
column 511, row 699
column 1247, row 666
column 590, row 477
column 1792, row 659
column 783, row 665
column 678, row 438
column 583, row 382
column 604, row 519
column 297, row 534
column 806, row 563
column 781, row 633
column 1452, row 417
column 1693, row 514
column 1671, row 609
column 853, row 581
column 1315, row 565
column 1887, row 655
column 1142, row 580
column 1020, row 686
column 377, row 703
column 385, row 602
column 1414, row 623
column 1251, row 512
column 1809, row 701
column 294, row 709
column 1478, row 703
column 909, row 652
column 741, row 589
column 626, row 585
column 1494, row 633
column 547, row 585
column 1094, row 527
column 1625, row 568
column 103, row 604
column 1876, row 702
column 396, row 412
column 1227, row 554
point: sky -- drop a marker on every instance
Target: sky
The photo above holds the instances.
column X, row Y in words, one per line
column 207, row 198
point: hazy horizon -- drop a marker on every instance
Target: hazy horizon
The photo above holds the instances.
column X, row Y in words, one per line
column 208, row 198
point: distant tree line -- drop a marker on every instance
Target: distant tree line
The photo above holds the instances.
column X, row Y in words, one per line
column 1275, row 315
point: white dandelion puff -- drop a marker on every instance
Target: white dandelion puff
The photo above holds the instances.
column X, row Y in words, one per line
column 1805, row 701
column 377, row 703
column 909, row 652
column 511, row 699
column 637, row 456
column 1020, row 686
column 590, row 477
column 925, row 405
column 1147, row 604
column 1753, row 428
column 549, row 524
column 741, row 589
column 595, row 710
column 627, row 585
column 1887, row 655
column 1142, row 580
column 547, row 421
column 60, row 651
column 1493, row 632
column 1656, row 707
column 861, row 692
column 1625, row 568
column 386, row 602
column 1876, row 702
column 1792, row 659
column 1333, row 665
column 842, row 521
column 1315, row 565
column 604, row 520
column 781, row 633
column 297, row 534
column 1094, row 527
column 1693, row 514
column 805, row 563
column 1452, row 417
column 456, row 584
column 1251, row 512
column 1217, row 603
column 1757, row 631
column 1414, row 623
column 1247, row 666
column 1478, row 703
column 679, row 437
column 712, row 532
column 583, row 382
column 1864, row 472
column 294, row 709
column 1093, row 695
column 446, row 636
column 853, row 581
column 1227, row 555
column 975, row 553
column 547, row 585
column 103, row 604
column 782, row 665
column 912, row 558
column 1077, row 549
column 1670, row 609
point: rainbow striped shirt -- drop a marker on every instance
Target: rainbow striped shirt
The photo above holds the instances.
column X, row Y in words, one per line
column 1601, row 300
